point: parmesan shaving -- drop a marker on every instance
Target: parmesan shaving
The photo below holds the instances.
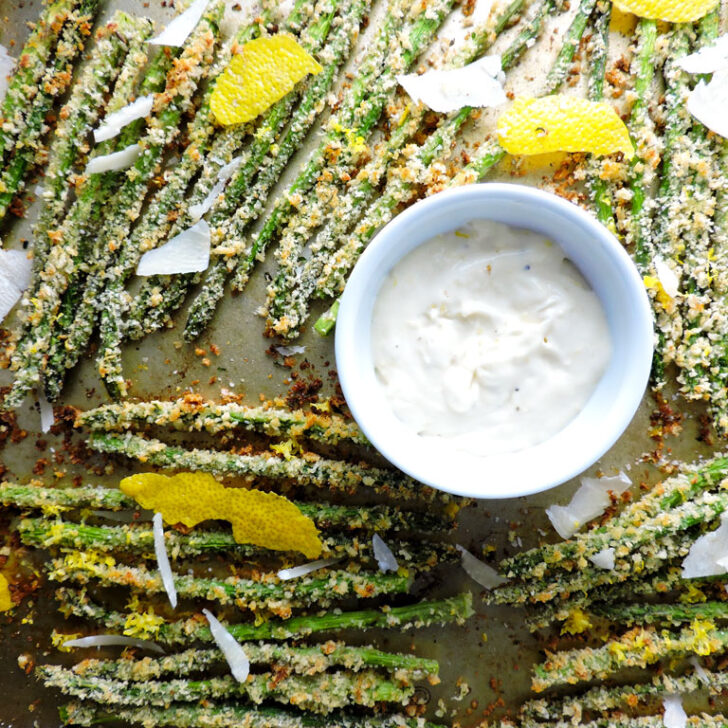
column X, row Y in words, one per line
column 15, row 272
column 175, row 34
column 223, row 176
column 707, row 553
column 110, row 640
column 477, row 84
column 160, row 550
column 188, row 252
column 114, row 161
column 707, row 60
column 675, row 716
column 699, row 670
column 289, row 350
column 46, row 413
column 230, row 648
column 386, row 560
column 604, row 559
column 303, row 569
column 589, row 502
column 478, row 571
column 668, row 278
column 116, row 121
column 7, row 66
column 708, row 103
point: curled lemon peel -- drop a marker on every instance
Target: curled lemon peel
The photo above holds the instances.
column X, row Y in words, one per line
column 264, row 71
column 671, row 11
column 6, row 602
column 262, row 519
column 557, row 123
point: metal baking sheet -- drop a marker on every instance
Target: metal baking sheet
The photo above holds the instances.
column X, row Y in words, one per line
column 484, row 665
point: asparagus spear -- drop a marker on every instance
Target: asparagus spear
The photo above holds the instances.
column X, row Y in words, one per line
column 53, row 85
column 320, row 694
column 66, row 256
column 231, row 716
column 376, row 518
column 191, row 415
column 138, row 539
column 24, row 85
column 300, row 660
column 182, row 83
column 455, row 609
column 638, row 647
column 118, row 44
column 629, row 614
column 310, row 469
column 322, row 588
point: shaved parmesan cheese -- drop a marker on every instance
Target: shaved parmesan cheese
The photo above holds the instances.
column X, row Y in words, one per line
column 7, row 65
column 175, row 34
column 15, row 272
column 230, row 648
column 114, row 161
column 699, row 670
column 188, row 252
column 46, row 413
column 289, row 350
column 383, row 554
column 477, row 84
column 478, row 571
column 708, row 103
column 160, row 550
column 675, row 716
column 604, row 559
column 115, row 122
column 707, row 552
column 109, row 640
column 667, row 277
column 589, row 502
column 303, row 569
column 223, row 175
column 707, row 60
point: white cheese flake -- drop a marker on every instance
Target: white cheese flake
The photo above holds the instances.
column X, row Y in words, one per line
column 223, row 176
column 668, row 278
column 708, row 556
column 589, row 502
column 479, row 571
column 297, row 571
column 230, row 648
column 604, row 559
column 707, row 60
column 386, row 560
column 708, row 103
column 7, row 66
column 478, row 84
column 15, row 273
column 115, row 161
column 188, row 252
column 111, row 640
column 289, row 350
column 46, row 413
column 160, row 550
column 116, row 121
column 674, row 716
column 176, row 33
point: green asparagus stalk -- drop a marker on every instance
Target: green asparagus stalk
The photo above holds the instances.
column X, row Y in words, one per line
column 54, row 83
column 232, row 716
column 639, row 647
column 299, row 660
column 177, row 99
column 138, row 539
column 630, row 614
column 320, row 694
column 123, row 36
column 322, row 588
column 455, row 609
column 376, row 518
column 24, row 86
column 190, row 415
column 309, row 469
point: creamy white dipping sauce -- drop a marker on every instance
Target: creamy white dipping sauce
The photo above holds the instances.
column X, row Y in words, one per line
column 489, row 338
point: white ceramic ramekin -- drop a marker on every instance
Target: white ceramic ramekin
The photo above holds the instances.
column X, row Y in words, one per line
column 602, row 261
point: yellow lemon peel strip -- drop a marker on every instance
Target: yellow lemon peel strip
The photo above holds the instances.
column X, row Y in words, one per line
column 671, row 11
column 6, row 602
column 560, row 123
column 262, row 519
column 264, row 71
